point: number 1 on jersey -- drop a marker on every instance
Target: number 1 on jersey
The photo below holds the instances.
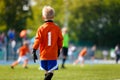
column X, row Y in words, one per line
column 49, row 38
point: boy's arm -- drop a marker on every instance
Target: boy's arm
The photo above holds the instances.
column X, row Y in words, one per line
column 37, row 39
column 58, row 52
column 36, row 45
column 60, row 42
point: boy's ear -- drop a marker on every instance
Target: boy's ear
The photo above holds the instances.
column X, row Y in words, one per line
column 43, row 17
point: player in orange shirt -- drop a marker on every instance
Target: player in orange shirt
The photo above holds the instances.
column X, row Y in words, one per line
column 23, row 50
column 49, row 41
column 81, row 55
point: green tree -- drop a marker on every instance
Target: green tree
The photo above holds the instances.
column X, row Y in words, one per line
column 14, row 14
column 95, row 21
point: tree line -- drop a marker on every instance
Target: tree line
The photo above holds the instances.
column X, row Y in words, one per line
column 89, row 21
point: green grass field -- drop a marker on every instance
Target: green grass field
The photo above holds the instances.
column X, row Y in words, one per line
column 88, row 72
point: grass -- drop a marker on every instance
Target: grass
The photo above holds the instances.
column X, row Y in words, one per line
column 88, row 72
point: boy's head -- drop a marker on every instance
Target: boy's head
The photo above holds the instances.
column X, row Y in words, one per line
column 25, row 43
column 64, row 30
column 48, row 13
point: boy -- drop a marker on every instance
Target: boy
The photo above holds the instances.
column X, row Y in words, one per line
column 81, row 55
column 49, row 40
column 23, row 50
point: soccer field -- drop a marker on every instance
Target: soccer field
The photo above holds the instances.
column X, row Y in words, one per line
column 88, row 72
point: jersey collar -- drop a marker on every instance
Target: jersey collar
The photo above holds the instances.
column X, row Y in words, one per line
column 49, row 21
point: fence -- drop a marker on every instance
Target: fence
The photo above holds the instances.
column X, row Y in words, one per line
column 10, row 53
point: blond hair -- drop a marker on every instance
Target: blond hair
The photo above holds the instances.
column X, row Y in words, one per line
column 25, row 42
column 48, row 12
column 64, row 30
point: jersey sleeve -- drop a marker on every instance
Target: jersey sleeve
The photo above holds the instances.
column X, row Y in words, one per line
column 37, row 39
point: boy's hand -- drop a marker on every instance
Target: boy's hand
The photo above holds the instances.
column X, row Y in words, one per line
column 34, row 55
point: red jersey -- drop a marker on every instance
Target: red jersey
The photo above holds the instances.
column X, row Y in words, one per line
column 23, row 50
column 83, row 52
column 49, row 39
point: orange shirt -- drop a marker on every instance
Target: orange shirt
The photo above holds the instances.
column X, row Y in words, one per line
column 23, row 50
column 49, row 39
column 83, row 52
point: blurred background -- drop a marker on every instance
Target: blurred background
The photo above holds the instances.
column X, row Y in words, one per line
column 90, row 22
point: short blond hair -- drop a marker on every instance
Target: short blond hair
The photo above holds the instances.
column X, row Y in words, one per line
column 48, row 12
column 25, row 42
column 64, row 29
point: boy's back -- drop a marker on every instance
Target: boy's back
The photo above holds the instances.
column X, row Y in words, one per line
column 49, row 39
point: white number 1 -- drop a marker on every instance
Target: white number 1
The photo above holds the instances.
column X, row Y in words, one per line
column 49, row 38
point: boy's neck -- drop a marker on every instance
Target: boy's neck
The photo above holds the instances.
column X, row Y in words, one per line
column 48, row 20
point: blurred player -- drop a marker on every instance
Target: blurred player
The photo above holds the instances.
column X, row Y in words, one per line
column 92, row 54
column 81, row 55
column 117, row 52
column 93, row 49
column 49, row 40
column 23, row 50
column 65, row 46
